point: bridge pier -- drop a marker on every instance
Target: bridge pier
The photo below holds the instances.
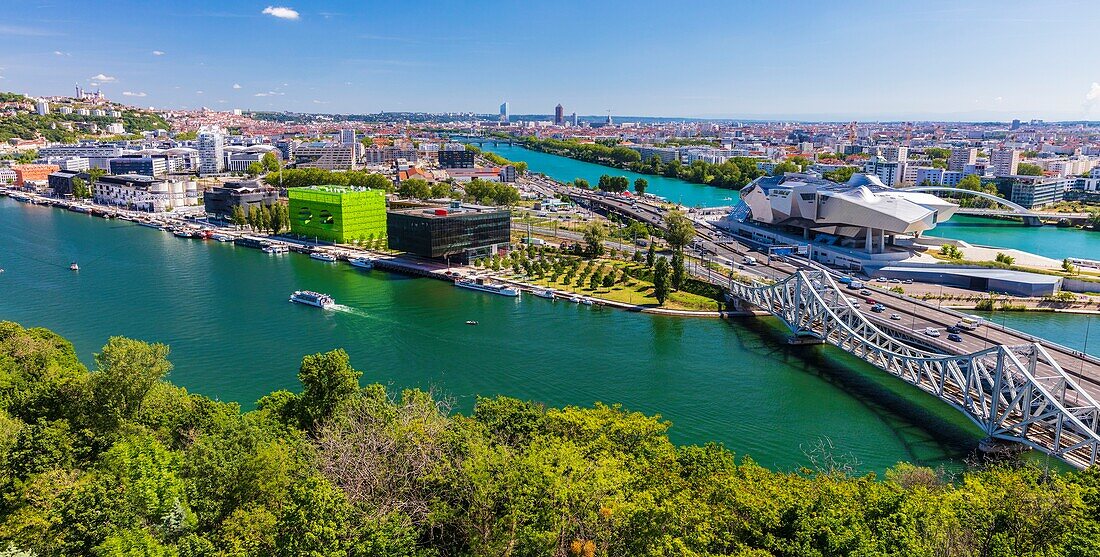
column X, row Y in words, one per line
column 1032, row 221
column 796, row 340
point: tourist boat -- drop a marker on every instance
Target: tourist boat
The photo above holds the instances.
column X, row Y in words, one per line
column 544, row 293
column 485, row 286
column 74, row 267
column 150, row 224
column 311, row 298
column 200, row 234
column 322, row 256
column 471, row 322
column 181, row 233
column 221, row 237
column 362, row 262
column 276, row 249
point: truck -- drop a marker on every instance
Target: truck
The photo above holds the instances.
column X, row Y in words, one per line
column 534, row 241
column 748, row 260
column 970, row 323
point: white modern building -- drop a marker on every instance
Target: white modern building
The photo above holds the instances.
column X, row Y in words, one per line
column 347, row 137
column 42, row 107
column 77, row 164
column 1005, row 161
column 890, row 173
column 211, row 146
column 861, row 213
column 144, row 193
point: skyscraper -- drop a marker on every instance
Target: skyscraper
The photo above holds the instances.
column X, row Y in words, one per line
column 559, row 115
column 211, row 144
column 574, row 119
column 504, row 112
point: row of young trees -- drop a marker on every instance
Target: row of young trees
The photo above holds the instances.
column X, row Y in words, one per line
column 264, row 218
column 117, row 461
column 304, row 177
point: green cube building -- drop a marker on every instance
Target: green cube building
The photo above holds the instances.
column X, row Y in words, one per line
column 337, row 214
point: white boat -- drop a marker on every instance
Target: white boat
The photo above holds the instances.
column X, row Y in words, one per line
column 575, row 299
column 586, row 301
column 74, row 266
column 221, row 237
column 181, row 233
column 322, row 256
column 544, row 293
column 311, row 298
column 484, row 285
column 276, row 248
column 362, row 262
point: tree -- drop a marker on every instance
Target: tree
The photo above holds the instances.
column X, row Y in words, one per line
column 254, row 169
column 80, row 188
column 970, row 182
column 276, row 220
column 1025, row 169
column 594, row 235
column 1068, row 266
column 328, row 381
column 126, row 370
column 270, row 162
column 581, row 183
column 677, row 269
column 441, row 190
column 640, row 186
column 1005, row 258
column 785, row 167
column 679, row 229
column 238, row 217
column 661, row 281
column 265, row 217
column 415, row 188
column 651, row 254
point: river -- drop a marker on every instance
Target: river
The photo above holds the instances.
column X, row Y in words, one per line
column 1048, row 241
column 224, row 311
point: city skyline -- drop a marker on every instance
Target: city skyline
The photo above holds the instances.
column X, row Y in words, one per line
column 797, row 61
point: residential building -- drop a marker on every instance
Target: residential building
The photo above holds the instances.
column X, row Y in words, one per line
column 70, row 163
column 326, row 155
column 144, row 193
column 337, row 214
column 87, row 150
column 961, row 157
column 1005, row 161
column 347, row 137
column 116, row 128
column 211, row 146
column 891, row 173
column 666, row 154
column 220, row 201
column 458, row 233
column 7, row 175
column 508, row 173
column 42, row 107
column 456, row 159
column 895, row 153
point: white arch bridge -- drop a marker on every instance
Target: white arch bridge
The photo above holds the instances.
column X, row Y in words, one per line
column 1014, row 393
column 1031, row 218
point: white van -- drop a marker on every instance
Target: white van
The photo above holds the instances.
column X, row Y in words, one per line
column 749, row 260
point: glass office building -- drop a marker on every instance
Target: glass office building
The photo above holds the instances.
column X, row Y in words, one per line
column 337, row 214
column 458, row 233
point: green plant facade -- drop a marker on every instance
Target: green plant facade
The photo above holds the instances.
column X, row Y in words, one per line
column 338, row 214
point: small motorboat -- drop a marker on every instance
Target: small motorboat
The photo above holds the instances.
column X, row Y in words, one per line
column 471, row 322
column 74, row 267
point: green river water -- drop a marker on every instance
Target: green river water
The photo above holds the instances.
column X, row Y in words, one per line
column 234, row 336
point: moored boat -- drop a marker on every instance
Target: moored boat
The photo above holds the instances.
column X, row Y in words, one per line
column 311, row 298
column 484, row 285
column 544, row 293
column 362, row 262
column 322, row 256
column 221, row 237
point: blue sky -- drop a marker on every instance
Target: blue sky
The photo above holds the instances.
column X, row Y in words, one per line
column 837, row 60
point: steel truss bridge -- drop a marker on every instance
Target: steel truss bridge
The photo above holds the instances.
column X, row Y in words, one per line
column 1014, row 393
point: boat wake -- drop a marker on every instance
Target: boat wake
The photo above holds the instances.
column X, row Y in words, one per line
column 348, row 309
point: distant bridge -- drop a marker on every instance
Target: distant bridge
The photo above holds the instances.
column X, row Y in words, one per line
column 481, row 140
column 1014, row 393
column 1031, row 218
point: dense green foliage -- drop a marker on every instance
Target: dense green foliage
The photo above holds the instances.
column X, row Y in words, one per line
column 29, row 125
column 304, row 177
column 1025, row 169
column 521, row 166
column 118, row 461
column 735, row 173
column 491, row 193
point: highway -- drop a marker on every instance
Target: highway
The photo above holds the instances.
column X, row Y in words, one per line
column 916, row 315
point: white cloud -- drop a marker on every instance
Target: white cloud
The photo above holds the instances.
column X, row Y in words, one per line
column 1094, row 92
column 261, row 94
column 102, row 78
column 59, row 53
column 133, row 94
column 93, row 84
column 268, row 94
column 281, row 12
column 198, row 92
column 315, row 101
column 158, row 53
column 998, row 99
column 236, row 85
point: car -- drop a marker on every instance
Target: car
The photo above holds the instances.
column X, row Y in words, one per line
column 908, row 281
column 953, row 329
column 844, row 280
column 895, row 281
column 932, row 332
column 895, row 317
column 864, row 292
column 881, row 279
column 955, row 337
column 878, row 308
